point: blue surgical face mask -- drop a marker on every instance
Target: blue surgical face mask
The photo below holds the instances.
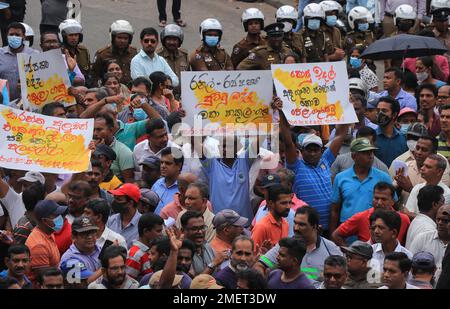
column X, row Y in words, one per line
column 313, row 24
column 139, row 114
column 211, row 40
column 14, row 41
column 59, row 222
column 331, row 20
column 404, row 128
column 363, row 27
column 355, row 62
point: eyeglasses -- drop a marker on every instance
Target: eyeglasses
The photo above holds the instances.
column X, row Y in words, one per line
column 329, row 276
column 198, row 228
column 442, row 97
column 153, row 41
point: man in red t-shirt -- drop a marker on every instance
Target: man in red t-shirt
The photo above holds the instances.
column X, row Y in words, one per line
column 359, row 225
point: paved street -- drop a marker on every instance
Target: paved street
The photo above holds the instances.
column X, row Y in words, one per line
column 98, row 15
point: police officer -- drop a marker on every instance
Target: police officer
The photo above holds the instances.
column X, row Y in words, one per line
column 71, row 36
column 120, row 50
column 317, row 47
column 253, row 22
column 440, row 10
column 404, row 19
column 288, row 15
column 29, row 35
column 210, row 56
column 172, row 37
column 274, row 52
column 332, row 10
column 360, row 36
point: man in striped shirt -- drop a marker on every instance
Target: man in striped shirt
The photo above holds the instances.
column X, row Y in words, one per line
column 150, row 227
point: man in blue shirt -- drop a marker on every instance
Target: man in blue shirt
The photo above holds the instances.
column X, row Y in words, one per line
column 353, row 188
column 18, row 262
column 390, row 142
column 171, row 164
column 148, row 61
column 392, row 81
column 312, row 172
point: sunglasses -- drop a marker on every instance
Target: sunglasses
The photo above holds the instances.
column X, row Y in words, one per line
column 153, row 41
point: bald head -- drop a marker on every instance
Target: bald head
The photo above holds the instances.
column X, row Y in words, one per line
column 186, row 179
column 443, row 95
column 57, row 197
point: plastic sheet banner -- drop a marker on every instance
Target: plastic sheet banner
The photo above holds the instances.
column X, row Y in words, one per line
column 44, row 79
column 222, row 102
column 314, row 93
column 4, row 90
column 34, row 142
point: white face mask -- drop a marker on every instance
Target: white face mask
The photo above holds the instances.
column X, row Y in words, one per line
column 421, row 76
column 411, row 144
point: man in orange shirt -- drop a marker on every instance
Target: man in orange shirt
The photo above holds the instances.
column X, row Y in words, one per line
column 274, row 226
column 41, row 242
column 229, row 225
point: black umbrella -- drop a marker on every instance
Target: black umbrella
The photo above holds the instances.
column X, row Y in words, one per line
column 404, row 46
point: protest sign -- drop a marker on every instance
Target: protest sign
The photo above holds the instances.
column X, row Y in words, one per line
column 34, row 142
column 218, row 102
column 43, row 79
column 314, row 93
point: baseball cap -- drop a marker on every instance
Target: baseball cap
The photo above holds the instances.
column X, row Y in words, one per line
column 361, row 144
column 312, row 139
column 157, row 276
column 204, row 281
column 406, row 110
column 423, row 260
column 360, row 248
column 270, row 180
column 105, row 150
column 83, row 224
column 46, row 208
column 33, row 177
column 417, row 129
column 228, row 216
column 149, row 197
column 128, row 189
column 151, row 161
column 83, row 271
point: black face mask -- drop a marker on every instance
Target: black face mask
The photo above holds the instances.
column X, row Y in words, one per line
column 118, row 207
column 383, row 119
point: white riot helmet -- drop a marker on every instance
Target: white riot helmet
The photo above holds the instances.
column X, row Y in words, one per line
column 439, row 5
column 252, row 13
column 358, row 12
column 404, row 11
column 70, row 26
column 172, row 30
column 29, row 34
column 329, row 6
column 358, row 84
column 121, row 26
column 210, row 24
column 287, row 12
column 313, row 10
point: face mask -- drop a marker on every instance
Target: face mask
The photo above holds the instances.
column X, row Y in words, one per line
column 72, row 115
column 363, row 27
column 59, row 222
column 355, row 62
column 211, row 40
column 14, row 41
column 287, row 27
column 26, row 43
column 139, row 114
column 331, row 20
column 313, row 24
column 118, row 207
column 421, row 76
column 404, row 128
column 383, row 119
column 411, row 145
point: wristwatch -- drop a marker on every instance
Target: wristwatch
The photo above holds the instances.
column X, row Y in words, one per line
column 211, row 266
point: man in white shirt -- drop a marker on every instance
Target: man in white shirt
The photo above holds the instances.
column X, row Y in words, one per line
column 435, row 241
column 148, row 61
column 432, row 170
column 396, row 271
column 99, row 211
column 429, row 200
column 13, row 200
column 385, row 225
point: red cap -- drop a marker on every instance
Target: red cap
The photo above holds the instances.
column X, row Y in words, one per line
column 406, row 110
column 128, row 189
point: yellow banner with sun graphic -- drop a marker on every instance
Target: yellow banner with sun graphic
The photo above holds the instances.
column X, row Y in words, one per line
column 43, row 79
column 314, row 93
column 34, row 142
column 222, row 102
